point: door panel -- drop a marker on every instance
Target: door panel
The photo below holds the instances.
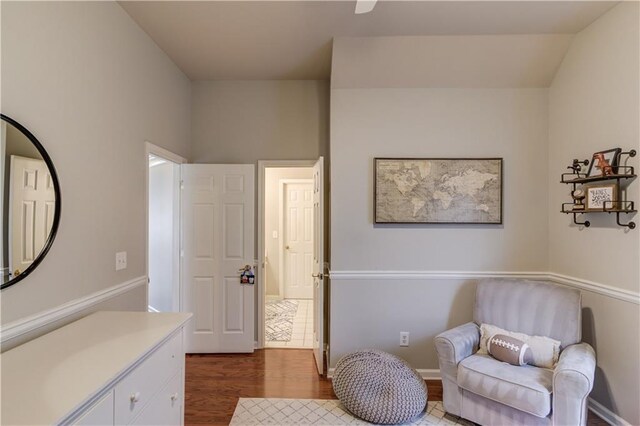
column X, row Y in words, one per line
column 298, row 239
column 32, row 207
column 217, row 229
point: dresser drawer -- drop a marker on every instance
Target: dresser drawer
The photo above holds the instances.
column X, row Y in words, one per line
column 139, row 387
column 166, row 407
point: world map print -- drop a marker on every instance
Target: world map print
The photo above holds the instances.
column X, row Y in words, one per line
column 438, row 190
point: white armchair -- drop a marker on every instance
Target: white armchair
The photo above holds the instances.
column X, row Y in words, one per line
column 489, row 392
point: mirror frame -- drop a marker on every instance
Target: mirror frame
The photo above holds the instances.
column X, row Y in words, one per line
column 58, row 210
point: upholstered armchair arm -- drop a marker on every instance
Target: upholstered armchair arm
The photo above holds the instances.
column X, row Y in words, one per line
column 572, row 383
column 453, row 346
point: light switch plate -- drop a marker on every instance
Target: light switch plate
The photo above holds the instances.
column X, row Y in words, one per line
column 121, row 260
column 274, row 234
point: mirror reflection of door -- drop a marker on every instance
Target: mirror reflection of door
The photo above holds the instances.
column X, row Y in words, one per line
column 30, row 202
column 298, row 240
column 32, row 208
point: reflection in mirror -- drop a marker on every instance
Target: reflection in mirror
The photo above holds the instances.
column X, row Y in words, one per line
column 30, row 212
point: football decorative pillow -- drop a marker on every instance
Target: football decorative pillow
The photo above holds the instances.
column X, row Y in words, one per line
column 509, row 349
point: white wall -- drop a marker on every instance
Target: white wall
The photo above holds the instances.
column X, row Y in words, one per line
column 594, row 105
column 92, row 87
column 162, row 206
column 272, row 219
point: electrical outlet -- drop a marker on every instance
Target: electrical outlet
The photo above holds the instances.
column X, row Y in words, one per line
column 121, row 260
column 404, row 338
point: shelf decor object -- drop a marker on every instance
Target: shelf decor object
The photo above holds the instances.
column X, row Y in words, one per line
column 604, row 163
column 599, row 190
column 438, row 190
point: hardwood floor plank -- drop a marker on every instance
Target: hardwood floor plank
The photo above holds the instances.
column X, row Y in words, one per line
column 215, row 382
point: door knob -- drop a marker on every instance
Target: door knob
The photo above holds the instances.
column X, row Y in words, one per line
column 287, row 247
column 319, row 276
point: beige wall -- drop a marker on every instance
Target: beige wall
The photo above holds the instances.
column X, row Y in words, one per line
column 272, row 219
column 246, row 121
column 368, row 123
column 594, row 105
column 92, row 87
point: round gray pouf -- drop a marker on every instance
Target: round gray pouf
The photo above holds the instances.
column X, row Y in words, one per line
column 379, row 387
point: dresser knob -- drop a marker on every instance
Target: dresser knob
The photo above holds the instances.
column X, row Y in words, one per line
column 174, row 396
column 135, row 397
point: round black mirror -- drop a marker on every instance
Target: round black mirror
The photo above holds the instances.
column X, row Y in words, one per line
column 30, row 202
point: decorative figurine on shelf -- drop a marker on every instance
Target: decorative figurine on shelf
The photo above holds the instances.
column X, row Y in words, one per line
column 603, row 164
column 578, row 199
column 576, row 166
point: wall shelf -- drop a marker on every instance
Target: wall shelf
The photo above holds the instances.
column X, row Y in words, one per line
column 618, row 207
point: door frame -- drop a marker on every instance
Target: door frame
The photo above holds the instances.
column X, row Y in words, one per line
column 281, row 227
column 262, row 288
column 151, row 149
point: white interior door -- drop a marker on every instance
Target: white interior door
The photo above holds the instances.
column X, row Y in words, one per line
column 298, row 239
column 32, row 202
column 218, row 240
column 318, row 264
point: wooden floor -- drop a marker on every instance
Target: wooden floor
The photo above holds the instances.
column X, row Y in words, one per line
column 214, row 383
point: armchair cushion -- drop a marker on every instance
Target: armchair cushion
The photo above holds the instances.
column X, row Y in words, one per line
column 525, row 388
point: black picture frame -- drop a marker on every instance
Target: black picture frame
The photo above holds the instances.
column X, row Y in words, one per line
column 376, row 221
column 613, row 155
column 58, row 211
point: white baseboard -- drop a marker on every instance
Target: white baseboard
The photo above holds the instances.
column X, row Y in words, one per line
column 31, row 323
column 605, row 414
column 429, row 373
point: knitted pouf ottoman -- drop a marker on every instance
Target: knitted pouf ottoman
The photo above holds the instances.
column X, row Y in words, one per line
column 379, row 387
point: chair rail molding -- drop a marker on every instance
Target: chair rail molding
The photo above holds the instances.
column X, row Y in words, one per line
column 33, row 322
column 582, row 284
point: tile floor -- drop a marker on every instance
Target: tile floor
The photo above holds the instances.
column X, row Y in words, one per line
column 302, row 335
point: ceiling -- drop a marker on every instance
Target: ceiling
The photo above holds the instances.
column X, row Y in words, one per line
column 265, row 40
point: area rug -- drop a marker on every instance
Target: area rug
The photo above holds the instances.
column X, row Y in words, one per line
column 276, row 411
column 279, row 320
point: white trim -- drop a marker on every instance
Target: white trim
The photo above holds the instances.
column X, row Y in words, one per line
column 422, row 275
column 605, row 414
column 164, row 153
column 42, row 319
column 603, row 289
column 429, row 373
column 261, row 283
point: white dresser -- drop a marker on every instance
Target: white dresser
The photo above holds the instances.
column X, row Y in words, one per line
column 109, row 368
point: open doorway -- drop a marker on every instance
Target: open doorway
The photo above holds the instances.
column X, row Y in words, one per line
column 163, row 189
column 287, row 256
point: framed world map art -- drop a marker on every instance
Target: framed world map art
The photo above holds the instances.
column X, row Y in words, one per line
column 438, row 190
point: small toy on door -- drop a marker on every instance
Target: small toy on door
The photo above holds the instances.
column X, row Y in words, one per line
column 247, row 276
